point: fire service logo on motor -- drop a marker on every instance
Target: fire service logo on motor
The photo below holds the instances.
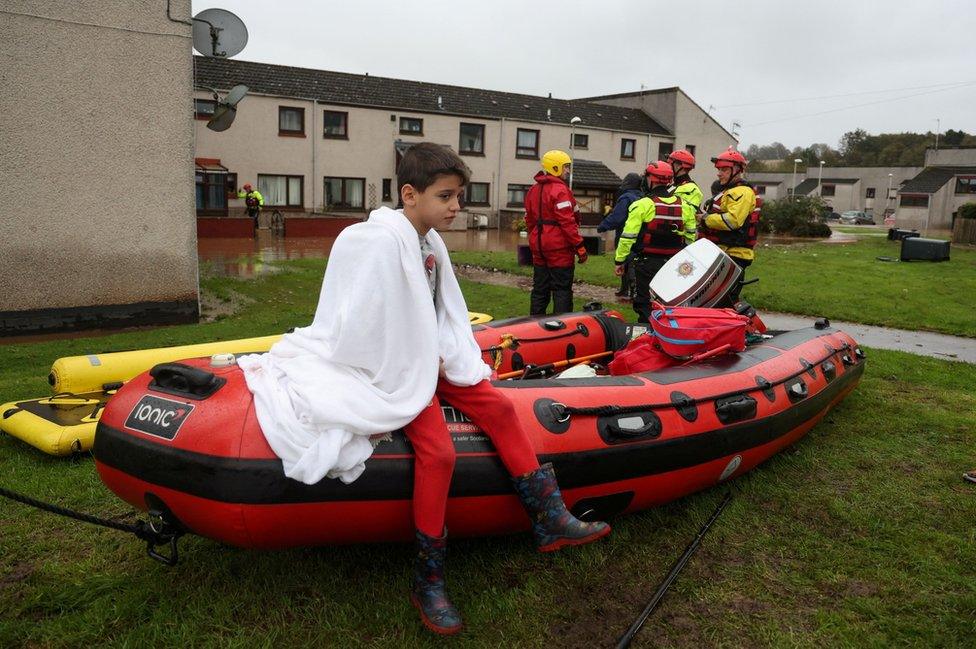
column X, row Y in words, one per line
column 158, row 417
column 686, row 268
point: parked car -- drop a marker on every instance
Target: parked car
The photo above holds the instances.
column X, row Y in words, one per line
column 855, row 217
column 830, row 215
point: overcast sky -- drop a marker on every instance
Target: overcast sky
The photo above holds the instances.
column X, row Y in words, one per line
column 775, row 67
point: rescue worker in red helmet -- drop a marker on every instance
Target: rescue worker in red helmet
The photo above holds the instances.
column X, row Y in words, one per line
column 554, row 236
column 253, row 201
column 682, row 162
column 657, row 227
column 731, row 217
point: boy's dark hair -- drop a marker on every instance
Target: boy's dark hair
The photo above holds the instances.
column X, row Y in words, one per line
column 424, row 162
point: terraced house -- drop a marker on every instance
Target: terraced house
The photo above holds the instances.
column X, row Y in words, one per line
column 315, row 141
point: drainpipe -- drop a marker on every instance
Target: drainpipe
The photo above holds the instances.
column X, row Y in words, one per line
column 647, row 153
column 498, row 179
column 314, row 139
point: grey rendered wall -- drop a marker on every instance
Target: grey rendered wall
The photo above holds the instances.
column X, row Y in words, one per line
column 97, row 162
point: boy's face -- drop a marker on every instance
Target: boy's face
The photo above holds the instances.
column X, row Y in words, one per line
column 435, row 207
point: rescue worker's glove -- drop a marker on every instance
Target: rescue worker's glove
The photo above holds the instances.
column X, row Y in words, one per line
column 706, row 206
column 581, row 254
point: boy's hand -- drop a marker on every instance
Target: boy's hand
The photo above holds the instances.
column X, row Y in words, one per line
column 581, row 254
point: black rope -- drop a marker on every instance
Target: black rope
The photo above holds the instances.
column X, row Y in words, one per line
column 142, row 529
column 676, row 568
column 561, row 410
column 579, row 330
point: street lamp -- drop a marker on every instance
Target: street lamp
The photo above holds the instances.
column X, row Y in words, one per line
column 572, row 147
column 888, row 197
column 820, row 180
column 796, row 161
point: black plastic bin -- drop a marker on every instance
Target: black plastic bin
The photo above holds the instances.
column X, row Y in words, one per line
column 924, row 249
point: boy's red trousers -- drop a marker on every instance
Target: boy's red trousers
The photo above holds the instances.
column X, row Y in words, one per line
column 434, row 451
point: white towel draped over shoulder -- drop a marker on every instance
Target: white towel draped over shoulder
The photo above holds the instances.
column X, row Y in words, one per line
column 369, row 362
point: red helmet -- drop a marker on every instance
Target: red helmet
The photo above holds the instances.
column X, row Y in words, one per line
column 247, row 187
column 660, row 172
column 730, row 158
column 684, row 156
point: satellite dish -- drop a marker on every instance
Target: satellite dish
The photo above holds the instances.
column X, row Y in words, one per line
column 226, row 110
column 218, row 32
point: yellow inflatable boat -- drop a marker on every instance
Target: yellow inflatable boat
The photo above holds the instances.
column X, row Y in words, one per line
column 64, row 423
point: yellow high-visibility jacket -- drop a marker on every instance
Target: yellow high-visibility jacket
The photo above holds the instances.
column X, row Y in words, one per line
column 729, row 216
column 251, row 194
column 644, row 211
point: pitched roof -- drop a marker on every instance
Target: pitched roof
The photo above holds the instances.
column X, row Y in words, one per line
column 932, row 179
column 592, row 173
column 416, row 96
column 810, row 184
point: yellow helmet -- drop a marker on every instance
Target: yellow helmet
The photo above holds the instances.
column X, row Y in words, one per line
column 554, row 161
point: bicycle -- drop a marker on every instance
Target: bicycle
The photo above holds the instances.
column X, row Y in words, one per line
column 277, row 223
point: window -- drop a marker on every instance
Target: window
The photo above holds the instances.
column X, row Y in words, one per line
column 281, row 191
column 914, row 200
column 581, row 140
column 335, row 124
column 291, row 121
column 388, row 190
column 966, row 184
column 828, row 190
column 472, row 139
column 232, row 185
column 345, row 193
column 476, row 194
column 869, row 192
column 411, row 126
column 526, row 144
column 627, row 148
column 204, row 108
column 516, row 195
column 690, row 148
column 664, row 149
column 760, row 190
column 211, row 190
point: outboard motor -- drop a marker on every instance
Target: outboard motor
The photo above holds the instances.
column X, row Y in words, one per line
column 700, row 275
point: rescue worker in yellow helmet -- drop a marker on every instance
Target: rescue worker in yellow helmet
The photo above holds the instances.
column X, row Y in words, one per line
column 682, row 162
column 554, row 237
column 253, row 201
column 657, row 227
column 731, row 217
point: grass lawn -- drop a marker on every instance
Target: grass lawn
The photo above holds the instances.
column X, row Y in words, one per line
column 840, row 281
column 861, row 535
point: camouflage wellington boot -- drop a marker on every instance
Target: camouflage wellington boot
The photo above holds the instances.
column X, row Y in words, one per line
column 428, row 595
column 552, row 524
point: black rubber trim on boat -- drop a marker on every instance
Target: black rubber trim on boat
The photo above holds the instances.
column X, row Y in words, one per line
column 734, row 409
column 847, row 360
column 766, row 387
column 797, row 390
column 518, row 363
column 808, row 366
column 629, row 427
column 570, row 351
column 389, row 477
column 550, row 418
column 685, row 406
column 600, row 508
column 829, row 370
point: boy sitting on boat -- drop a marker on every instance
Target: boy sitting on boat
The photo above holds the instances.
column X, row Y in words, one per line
column 390, row 338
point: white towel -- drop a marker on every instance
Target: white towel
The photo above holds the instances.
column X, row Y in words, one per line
column 368, row 363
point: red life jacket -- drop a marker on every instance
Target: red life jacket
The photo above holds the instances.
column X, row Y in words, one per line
column 744, row 237
column 659, row 236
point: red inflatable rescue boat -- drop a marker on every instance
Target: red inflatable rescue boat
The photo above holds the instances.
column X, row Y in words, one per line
column 183, row 439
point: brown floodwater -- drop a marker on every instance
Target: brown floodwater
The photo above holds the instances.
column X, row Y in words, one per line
column 254, row 257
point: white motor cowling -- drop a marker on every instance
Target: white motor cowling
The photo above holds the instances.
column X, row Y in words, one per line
column 699, row 275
